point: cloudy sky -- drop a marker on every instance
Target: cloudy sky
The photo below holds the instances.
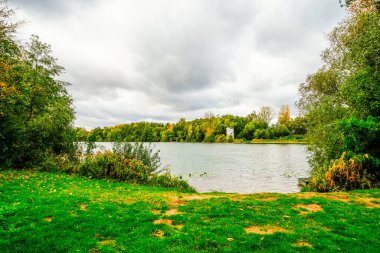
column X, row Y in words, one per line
column 160, row 60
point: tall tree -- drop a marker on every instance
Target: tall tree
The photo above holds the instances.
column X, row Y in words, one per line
column 341, row 101
column 266, row 114
column 35, row 109
column 284, row 115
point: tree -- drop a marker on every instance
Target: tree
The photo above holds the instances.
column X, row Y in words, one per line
column 266, row 114
column 361, row 6
column 341, row 101
column 298, row 125
column 284, row 115
column 252, row 127
column 209, row 120
column 35, row 109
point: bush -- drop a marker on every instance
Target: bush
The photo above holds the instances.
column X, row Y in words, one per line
column 279, row 131
column 262, row 134
column 209, row 139
column 133, row 163
column 141, row 152
column 111, row 165
column 349, row 172
column 167, row 180
column 220, row 138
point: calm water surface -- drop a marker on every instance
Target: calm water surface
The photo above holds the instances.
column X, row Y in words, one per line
column 240, row 168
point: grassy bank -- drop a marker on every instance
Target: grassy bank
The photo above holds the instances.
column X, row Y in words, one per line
column 300, row 139
column 43, row 212
column 290, row 141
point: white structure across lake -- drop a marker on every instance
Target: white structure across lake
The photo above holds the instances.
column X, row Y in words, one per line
column 230, row 132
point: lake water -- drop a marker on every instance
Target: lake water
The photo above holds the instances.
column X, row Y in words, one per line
column 239, row 168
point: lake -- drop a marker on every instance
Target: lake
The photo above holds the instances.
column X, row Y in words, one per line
column 238, row 168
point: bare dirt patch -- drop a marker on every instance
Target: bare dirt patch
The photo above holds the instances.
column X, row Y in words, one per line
column 168, row 223
column 265, row 230
column 197, row 197
column 175, row 201
column 340, row 197
column 268, row 199
column 83, row 207
column 236, row 199
column 369, row 202
column 302, row 244
column 107, row 242
column 163, row 221
column 336, row 196
column 311, row 208
column 305, row 195
column 156, row 212
column 49, row 219
column 172, row 211
column 181, row 201
column 158, row 233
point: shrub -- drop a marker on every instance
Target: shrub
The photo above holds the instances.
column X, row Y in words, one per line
column 220, row 138
column 349, row 172
column 209, row 139
column 262, row 134
column 141, row 152
column 111, row 165
column 134, row 163
column 167, row 180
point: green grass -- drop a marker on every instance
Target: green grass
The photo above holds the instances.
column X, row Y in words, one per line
column 45, row 212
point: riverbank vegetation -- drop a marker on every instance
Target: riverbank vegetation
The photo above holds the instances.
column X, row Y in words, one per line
column 210, row 129
column 46, row 212
column 341, row 103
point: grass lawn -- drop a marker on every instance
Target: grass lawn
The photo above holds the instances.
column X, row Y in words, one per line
column 44, row 212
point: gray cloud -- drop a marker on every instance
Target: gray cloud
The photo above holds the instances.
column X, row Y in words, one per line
column 161, row 60
column 50, row 8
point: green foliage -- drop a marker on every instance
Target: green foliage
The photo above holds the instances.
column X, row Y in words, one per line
column 167, row 180
column 360, row 135
column 280, row 131
column 262, row 134
column 341, row 101
column 209, row 129
column 111, row 165
column 251, row 127
column 35, row 110
column 133, row 163
column 144, row 153
column 298, row 126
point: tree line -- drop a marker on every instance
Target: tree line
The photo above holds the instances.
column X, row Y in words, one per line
column 210, row 128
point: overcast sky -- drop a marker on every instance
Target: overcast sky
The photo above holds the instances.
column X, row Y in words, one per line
column 160, row 60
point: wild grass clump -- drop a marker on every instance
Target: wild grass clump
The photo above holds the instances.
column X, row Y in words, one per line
column 133, row 163
column 168, row 180
column 349, row 172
